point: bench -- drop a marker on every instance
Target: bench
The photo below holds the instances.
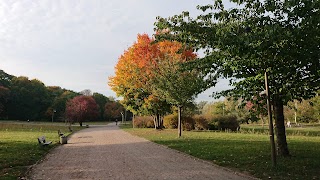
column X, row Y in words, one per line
column 43, row 142
column 60, row 133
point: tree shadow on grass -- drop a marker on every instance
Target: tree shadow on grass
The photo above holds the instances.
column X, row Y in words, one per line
column 254, row 156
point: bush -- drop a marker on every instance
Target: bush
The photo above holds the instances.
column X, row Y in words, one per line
column 224, row 123
column 249, row 118
column 150, row 123
column 170, row 121
column 212, row 125
column 201, row 123
column 143, row 122
column 188, row 123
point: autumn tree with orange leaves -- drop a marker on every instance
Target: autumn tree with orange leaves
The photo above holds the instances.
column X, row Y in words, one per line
column 136, row 71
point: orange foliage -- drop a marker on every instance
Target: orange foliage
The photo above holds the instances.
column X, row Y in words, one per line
column 136, row 65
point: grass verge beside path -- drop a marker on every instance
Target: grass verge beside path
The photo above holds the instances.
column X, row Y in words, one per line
column 19, row 146
column 247, row 152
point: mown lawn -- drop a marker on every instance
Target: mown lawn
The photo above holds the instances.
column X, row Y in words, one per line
column 19, row 146
column 248, row 152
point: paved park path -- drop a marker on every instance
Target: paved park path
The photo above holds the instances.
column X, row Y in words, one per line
column 106, row 152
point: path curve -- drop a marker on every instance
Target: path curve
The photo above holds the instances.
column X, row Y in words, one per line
column 107, row 152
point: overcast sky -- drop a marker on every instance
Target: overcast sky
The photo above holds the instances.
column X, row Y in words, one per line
column 75, row 44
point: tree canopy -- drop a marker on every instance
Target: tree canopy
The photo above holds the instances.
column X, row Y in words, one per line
column 29, row 96
column 113, row 110
column 82, row 108
column 242, row 43
column 4, row 97
column 101, row 100
column 136, row 73
column 176, row 85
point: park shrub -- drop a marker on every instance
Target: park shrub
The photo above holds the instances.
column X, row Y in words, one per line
column 223, row 123
column 143, row 122
column 150, row 123
column 171, row 122
column 188, row 123
column 250, row 117
column 201, row 122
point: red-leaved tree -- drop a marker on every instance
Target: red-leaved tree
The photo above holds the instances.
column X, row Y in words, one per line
column 113, row 110
column 81, row 108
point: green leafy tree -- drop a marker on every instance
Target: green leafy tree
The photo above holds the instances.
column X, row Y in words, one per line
column 316, row 107
column 5, row 79
column 216, row 108
column 305, row 111
column 101, row 101
column 177, row 86
column 5, row 84
column 59, row 98
column 199, row 107
column 233, row 107
column 242, row 43
column 29, row 99
column 54, row 93
column 4, row 97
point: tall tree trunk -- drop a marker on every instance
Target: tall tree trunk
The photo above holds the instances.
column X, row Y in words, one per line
column 179, row 121
column 161, row 122
column 282, row 146
column 157, row 122
column 80, row 124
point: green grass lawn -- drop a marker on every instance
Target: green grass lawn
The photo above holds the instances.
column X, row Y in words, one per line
column 246, row 152
column 19, row 146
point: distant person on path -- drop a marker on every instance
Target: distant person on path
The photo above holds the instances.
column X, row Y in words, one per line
column 116, row 121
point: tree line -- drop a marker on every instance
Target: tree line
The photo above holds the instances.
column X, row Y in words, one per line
column 22, row 98
column 295, row 112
